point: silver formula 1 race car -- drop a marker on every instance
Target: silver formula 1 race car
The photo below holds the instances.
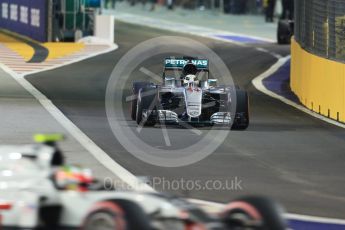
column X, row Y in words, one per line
column 37, row 191
column 189, row 95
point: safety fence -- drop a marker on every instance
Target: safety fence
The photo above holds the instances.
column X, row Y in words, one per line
column 320, row 27
column 318, row 56
column 26, row 17
column 48, row 20
column 318, row 82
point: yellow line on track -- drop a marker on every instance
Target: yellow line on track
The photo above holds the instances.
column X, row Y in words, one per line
column 56, row 49
column 59, row 49
column 24, row 50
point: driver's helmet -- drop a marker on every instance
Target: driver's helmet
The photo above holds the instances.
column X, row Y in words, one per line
column 189, row 68
column 73, row 178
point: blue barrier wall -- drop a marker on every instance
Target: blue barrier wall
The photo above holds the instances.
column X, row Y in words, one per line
column 26, row 17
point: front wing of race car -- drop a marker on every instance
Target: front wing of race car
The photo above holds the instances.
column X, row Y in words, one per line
column 171, row 117
column 198, row 107
column 194, row 106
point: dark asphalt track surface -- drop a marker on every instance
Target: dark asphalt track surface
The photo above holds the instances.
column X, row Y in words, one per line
column 285, row 154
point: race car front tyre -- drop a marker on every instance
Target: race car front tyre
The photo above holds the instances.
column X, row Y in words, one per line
column 116, row 214
column 145, row 106
column 106, row 215
column 241, row 117
column 136, row 86
column 254, row 213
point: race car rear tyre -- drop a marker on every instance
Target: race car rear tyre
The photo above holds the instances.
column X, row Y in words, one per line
column 116, row 214
column 136, row 86
column 241, row 118
column 261, row 212
column 106, row 215
column 146, row 102
column 136, row 218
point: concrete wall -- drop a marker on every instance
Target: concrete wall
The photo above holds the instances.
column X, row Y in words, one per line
column 318, row 82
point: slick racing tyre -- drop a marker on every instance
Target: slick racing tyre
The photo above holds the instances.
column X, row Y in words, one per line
column 254, row 213
column 241, row 118
column 116, row 215
column 136, row 86
column 146, row 103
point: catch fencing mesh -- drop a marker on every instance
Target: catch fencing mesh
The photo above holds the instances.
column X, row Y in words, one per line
column 320, row 27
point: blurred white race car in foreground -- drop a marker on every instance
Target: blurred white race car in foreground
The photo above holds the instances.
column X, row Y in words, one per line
column 37, row 191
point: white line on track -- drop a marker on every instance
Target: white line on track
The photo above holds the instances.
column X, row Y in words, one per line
column 81, row 137
column 183, row 28
column 258, row 83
